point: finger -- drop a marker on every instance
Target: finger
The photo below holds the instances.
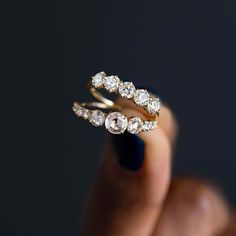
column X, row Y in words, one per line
column 127, row 202
column 168, row 123
column 231, row 228
column 192, row 208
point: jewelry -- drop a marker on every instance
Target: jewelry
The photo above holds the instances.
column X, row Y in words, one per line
column 113, row 84
column 116, row 122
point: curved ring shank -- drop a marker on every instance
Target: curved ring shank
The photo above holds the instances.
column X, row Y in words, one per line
column 100, row 97
column 107, row 103
column 115, row 121
column 94, row 105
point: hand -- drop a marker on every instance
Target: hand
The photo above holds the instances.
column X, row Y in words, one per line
column 134, row 194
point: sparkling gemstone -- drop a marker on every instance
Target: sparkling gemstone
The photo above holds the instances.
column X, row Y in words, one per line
column 111, row 83
column 78, row 110
column 97, row 118
column 126, row 89
column 97, row 80
column 149, row 125
column 141, row 97
column 86, row 114
column 153, row 125
column 75, row 107
column 135, row 125
column 153, row 105
column 116, row 123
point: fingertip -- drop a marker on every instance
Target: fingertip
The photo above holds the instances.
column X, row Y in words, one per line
column 169, row 123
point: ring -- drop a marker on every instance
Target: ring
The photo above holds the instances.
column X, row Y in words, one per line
column 113, row 84
column 115, row 121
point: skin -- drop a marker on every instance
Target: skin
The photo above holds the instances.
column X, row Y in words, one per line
column 149, row 202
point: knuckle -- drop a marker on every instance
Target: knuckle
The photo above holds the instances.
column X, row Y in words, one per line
column 193, row 196
column 137, row 198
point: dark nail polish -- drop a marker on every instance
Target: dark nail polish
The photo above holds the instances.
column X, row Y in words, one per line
column 130, row 150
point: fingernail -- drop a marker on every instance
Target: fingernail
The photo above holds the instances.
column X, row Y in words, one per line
column 130, row 151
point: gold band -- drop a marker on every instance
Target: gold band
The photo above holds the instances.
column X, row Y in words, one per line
column 109, row 104
column 116, row 122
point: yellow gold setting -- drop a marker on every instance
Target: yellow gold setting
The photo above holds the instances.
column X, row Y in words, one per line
column 115, row 121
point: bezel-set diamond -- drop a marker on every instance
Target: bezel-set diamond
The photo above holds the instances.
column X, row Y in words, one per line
column 126, row 89
column 135, row 125
column 141, row 97
column 111, row 83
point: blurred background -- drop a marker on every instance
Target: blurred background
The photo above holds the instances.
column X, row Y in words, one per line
column 183, row 50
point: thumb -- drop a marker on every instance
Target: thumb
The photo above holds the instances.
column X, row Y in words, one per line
column 131, row 184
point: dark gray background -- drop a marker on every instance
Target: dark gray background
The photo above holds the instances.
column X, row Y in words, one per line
column 184, row 50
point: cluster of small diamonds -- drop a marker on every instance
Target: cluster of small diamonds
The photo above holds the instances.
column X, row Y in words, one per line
column 81, row 111
column 136, row 125
column 115, row 122
column 95, row 117
column 127, row 90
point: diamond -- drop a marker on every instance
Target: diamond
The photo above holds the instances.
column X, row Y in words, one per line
column 149, row 125
column 145, row 126
column 135, row 125
column 78, row 110
column 141, row 97
column 97, row 80
column 153, row 105
column 116, row 123
column 75, row 107
column 153, row 125
column 111, row 83
column 97, row 118
column 86, row 114
column 126, row 89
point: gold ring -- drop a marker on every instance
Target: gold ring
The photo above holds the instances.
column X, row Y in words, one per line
column 115, row 121
column 112, row 84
